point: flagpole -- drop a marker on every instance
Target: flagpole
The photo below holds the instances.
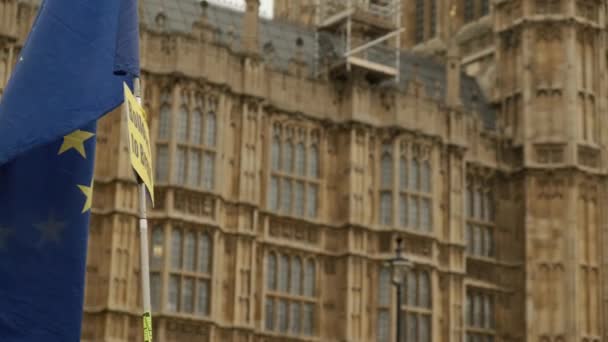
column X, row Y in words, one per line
column 143, row 234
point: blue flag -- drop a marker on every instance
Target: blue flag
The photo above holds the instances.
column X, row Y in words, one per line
column 70, row 73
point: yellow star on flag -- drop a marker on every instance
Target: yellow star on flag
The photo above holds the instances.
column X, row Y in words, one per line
column 76, row 141
column 88, row 192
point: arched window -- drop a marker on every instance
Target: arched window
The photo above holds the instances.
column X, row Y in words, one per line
column 309, row 278
column 488, row 206
column 180, row 172
column 296, row 275
column 488, row 311
column 196, row 127
column 426, row 176
column 314, row 162
column 164, row 123
column 414, row 175
column 276, row 153
column 411, row 283
column 182, row 125
column 176, row 249
column 210, row 129
column 204, row 253
column 294, row 317
column 403, row 210
column 300, row 162
column 470, row 211
column 386, row 172
column 271, row 280
column 288, row 157
column 403, row 173
column 190, row 246
column 283, row 273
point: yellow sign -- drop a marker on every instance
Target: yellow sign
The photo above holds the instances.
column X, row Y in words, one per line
column 147, row 327
column 139, row 141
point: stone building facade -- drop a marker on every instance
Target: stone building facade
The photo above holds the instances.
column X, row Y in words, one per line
column 281, row 188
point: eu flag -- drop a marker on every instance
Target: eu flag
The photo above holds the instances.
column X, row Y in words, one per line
column 70, row 73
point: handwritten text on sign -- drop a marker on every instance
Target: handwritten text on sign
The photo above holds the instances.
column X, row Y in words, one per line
column 139, row 141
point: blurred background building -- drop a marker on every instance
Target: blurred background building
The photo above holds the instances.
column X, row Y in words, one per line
column 290, row 153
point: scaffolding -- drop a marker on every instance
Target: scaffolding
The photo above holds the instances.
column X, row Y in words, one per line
column 359, row 34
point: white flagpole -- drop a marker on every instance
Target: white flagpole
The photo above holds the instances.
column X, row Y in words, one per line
column 143, row 234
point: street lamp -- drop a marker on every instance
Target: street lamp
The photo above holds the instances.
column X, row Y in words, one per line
column 399, row 265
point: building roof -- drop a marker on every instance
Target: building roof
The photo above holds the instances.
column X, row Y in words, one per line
column 278, row 37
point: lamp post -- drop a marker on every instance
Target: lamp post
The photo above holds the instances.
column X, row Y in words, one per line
column 399, row 265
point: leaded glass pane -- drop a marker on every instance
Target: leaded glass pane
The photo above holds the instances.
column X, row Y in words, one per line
column 162, row 163
column 164, row 123
column 274, row 194
column 276, row 153
column 300, row 160
column 182, row 125
column 384, row 287
column 196, row 127
column 283, row 272
column 269, row 314
column 173, row 297
column 202, row 307
column 283, row 322
column 296, row 274
column 204, row 253
column 386, row 172
column 210, row 129
column 271, row 278
column 188, row 295
column 294, row 318
column 309, row 278
column 288, row 158
column 386, row 208
column 194, row 167
column 190, row 246
column 309, row 319
column 176, row 249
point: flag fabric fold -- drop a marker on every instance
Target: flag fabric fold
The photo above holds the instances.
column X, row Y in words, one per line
column 70, row 73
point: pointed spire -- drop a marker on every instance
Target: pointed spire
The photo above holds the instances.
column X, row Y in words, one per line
column 251, row 24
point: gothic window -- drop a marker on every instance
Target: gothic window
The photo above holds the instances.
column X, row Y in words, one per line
column 188, row 266
column 299, row 199
column 433, row 21
column 419, row 23
column 290, row 305
column 180, row 172
column 192, row 140
column 164, row 122
column 210, row 129
column 274, row 194
column 386, row 185
column 480, row 315
column 287, row 157
column 314, row 162
column 387, row 171
column 294, row 178
column 403, row 173
column 300, row 161
column 415, row 196
column 271, row 281
column 162, row 163
column 415, row 306
column 479, row 211
column 276, row 153
column 485, row 7
column 469, row 10
column 386, row 208
column 182, row 125
column 194, row 166
column 384, row 304
column 195, row 133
